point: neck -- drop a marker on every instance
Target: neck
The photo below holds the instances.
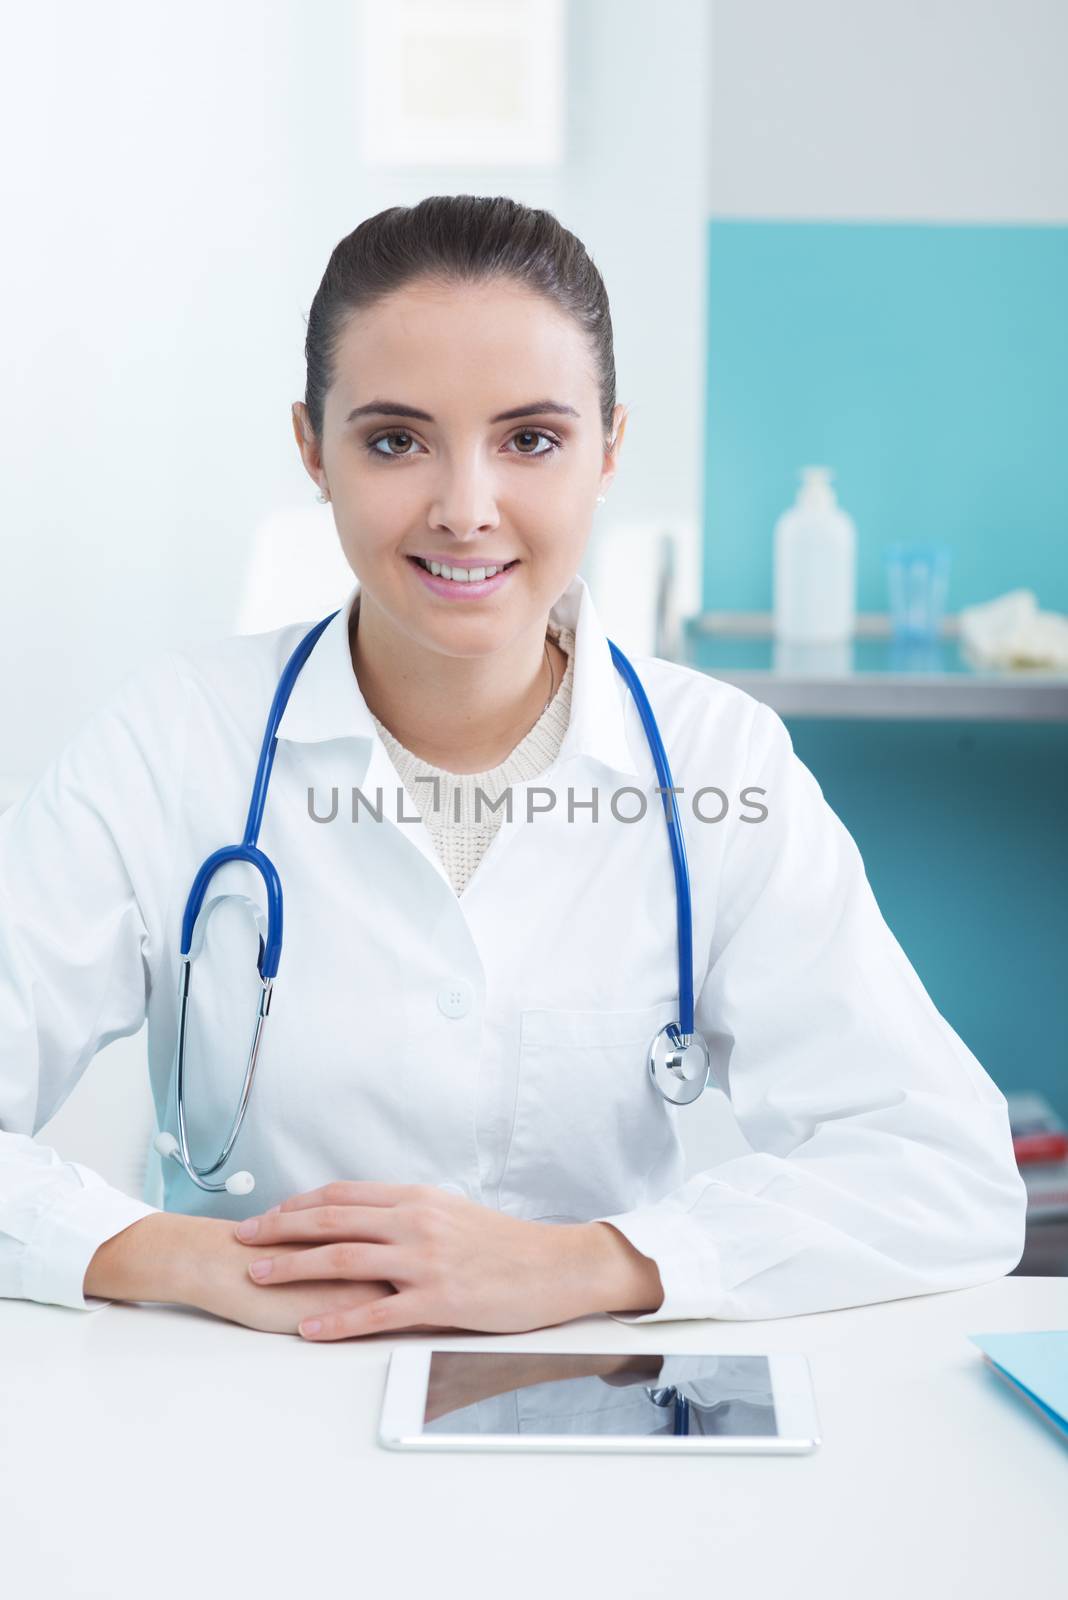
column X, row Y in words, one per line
column 463, row 713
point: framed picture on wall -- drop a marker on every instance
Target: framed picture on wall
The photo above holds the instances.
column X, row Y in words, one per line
column 462, row 83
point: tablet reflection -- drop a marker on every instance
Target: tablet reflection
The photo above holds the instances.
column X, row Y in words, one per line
column 551, row 1392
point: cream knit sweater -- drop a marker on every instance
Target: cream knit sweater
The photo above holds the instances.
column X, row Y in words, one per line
column 461, row 839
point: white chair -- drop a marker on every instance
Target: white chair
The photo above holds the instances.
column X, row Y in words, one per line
column 295, row 570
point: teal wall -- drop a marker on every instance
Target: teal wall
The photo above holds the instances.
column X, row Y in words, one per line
column 928, row 366
column 962, row 831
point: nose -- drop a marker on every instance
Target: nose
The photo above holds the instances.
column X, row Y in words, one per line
column 465, row 504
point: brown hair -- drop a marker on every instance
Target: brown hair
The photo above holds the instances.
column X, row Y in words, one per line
column 457, row 238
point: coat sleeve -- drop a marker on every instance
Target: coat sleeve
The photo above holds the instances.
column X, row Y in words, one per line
column 882, row 1162
column 83, row 866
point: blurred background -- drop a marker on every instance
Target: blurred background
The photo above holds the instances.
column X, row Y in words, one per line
column 834, row 235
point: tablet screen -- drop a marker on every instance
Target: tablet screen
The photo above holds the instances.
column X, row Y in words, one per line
column 545, row 1392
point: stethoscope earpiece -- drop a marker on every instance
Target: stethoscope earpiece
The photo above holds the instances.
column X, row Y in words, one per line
column 165, row 1144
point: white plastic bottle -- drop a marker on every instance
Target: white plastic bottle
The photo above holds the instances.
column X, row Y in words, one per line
column 815, row 565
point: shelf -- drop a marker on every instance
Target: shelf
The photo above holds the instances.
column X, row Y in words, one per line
column 873, row 675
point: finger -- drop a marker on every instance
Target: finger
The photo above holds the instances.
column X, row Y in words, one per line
column 373, row 1223
column 354, row 1192
column 396, row 1311
column 377, row 1262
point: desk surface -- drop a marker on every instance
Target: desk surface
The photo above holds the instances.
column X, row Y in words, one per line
column 154, row 1451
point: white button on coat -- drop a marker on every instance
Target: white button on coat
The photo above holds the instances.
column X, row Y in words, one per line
column 494, row 1041
column 454, row 999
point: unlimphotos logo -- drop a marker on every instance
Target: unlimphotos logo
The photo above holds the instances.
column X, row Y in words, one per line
column 627, row 804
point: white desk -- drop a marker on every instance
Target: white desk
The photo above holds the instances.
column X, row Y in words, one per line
column 151, row 1451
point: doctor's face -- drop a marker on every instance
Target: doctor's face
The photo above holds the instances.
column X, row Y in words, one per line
column 463, row 426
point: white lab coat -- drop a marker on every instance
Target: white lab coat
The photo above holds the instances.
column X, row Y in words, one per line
column 495, row 1042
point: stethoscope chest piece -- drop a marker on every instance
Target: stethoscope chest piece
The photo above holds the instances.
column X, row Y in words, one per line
column 679, row 1071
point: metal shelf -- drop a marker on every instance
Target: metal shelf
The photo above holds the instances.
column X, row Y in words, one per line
column 873, row 675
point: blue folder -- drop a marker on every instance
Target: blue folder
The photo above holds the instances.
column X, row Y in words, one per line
column 1035, row 1365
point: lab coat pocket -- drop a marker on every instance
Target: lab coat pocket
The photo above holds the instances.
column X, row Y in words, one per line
column 591, row 1134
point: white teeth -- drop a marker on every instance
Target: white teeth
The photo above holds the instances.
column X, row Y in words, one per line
column 463, row 574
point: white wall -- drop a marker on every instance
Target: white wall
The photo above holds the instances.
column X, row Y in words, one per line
column 150, row 333
column 176, row 173
column 919, row 110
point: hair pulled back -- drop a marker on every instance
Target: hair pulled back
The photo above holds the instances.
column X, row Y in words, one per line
column 461, row 238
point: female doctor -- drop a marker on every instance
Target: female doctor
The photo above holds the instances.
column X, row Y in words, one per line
column 453, row 1123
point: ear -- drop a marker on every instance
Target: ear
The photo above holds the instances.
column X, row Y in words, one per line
column 611, row 454
column 308, row 445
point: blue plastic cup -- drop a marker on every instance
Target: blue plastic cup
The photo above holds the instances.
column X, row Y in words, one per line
column 917, row 577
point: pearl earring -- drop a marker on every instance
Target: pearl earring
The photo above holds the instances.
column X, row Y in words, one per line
column 600, row 499
column 323, row 499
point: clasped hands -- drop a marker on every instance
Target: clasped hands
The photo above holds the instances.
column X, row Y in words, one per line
column 452, row 1262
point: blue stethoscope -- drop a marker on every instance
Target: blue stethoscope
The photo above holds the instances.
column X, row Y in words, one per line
column 678, row 1057
column 669, row 1395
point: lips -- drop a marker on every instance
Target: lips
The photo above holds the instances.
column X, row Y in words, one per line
column 462, row 590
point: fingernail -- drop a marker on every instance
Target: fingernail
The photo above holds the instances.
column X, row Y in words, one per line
column 311, row 1327
column 278, row 1207
column 260, row 1269
column 247, row 1230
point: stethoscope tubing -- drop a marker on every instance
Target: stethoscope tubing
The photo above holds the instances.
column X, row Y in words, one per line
column 270, row 952
column 683, row 910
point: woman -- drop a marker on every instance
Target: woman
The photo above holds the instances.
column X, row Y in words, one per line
column 452, row 1123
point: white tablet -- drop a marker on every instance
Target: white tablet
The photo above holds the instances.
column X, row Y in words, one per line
column 514, row 1398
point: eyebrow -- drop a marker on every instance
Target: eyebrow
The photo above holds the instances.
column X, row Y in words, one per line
column 394, row 408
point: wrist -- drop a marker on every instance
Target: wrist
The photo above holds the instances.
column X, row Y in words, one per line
column 621, row 1278
column 152, row 1259
column 202, row 1261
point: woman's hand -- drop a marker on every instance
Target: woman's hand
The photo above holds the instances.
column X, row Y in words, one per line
column 214, row 1278
column 454, row 1264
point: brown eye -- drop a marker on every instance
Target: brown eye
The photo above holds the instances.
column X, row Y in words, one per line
column 538, row 437
column 384, row 438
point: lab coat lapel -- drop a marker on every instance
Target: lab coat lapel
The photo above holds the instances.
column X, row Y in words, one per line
column 327, row 703
column 597, row 729
column 383, row 790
